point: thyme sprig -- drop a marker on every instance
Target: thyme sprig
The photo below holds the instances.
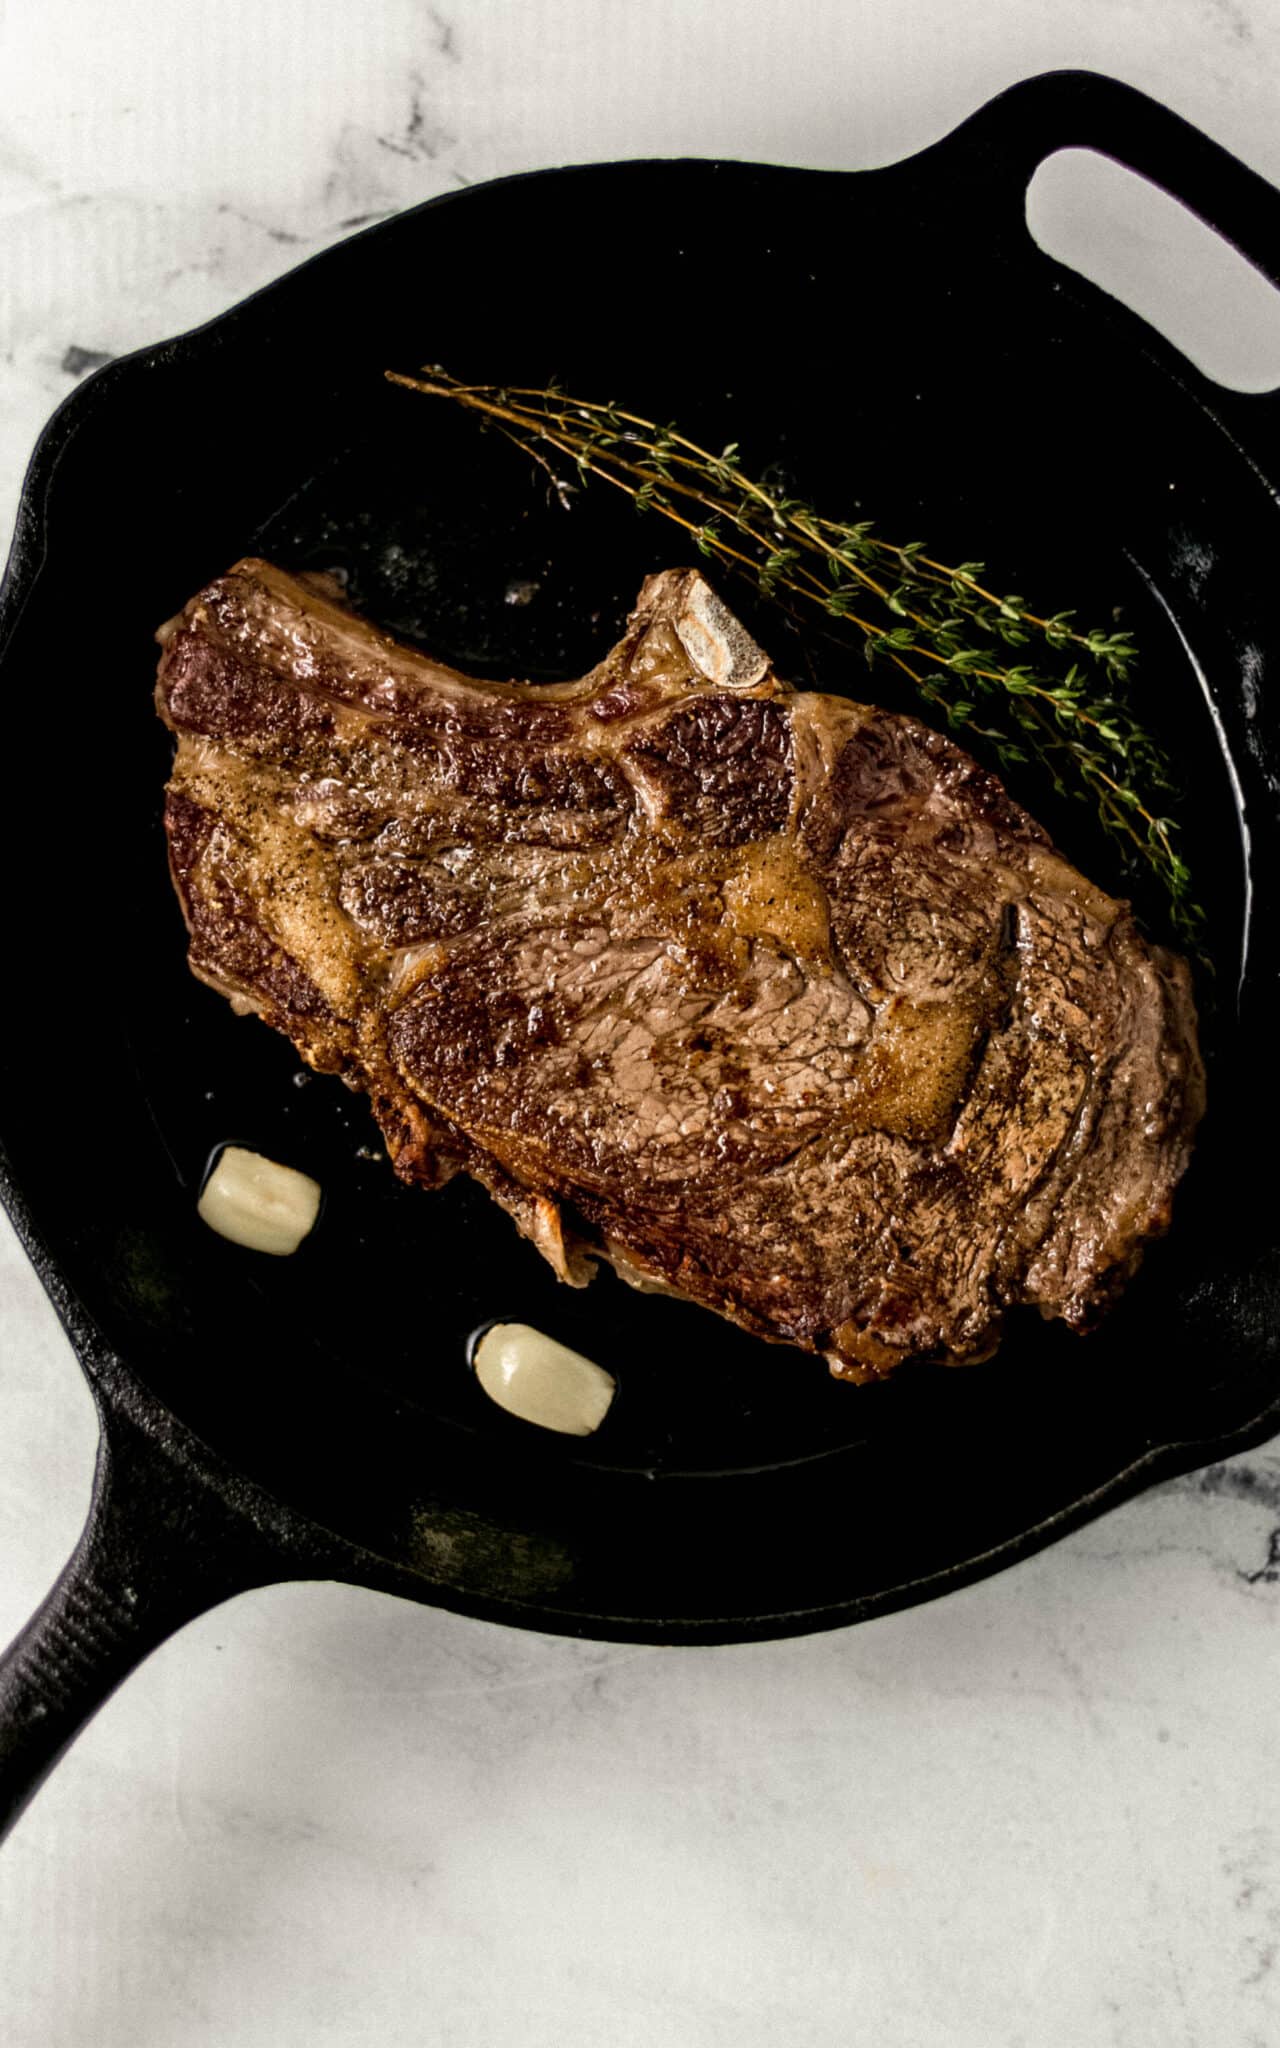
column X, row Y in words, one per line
column 1032, row 686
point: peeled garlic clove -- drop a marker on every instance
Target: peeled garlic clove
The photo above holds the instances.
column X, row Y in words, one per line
column 530, row 1375
column 259, row 1203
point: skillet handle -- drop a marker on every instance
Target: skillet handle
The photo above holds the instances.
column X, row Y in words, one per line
column 159, row 1547
column 1084, row 110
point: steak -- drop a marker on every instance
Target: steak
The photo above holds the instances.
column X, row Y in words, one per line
column 773, row 1000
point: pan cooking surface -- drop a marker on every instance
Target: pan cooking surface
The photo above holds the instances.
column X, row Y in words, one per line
column 432, row 546
column 734, row 1488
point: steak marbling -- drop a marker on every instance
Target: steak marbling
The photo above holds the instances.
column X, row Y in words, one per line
column 771, row 999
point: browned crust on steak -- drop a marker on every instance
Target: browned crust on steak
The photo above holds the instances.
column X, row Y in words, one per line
column 776, row 1001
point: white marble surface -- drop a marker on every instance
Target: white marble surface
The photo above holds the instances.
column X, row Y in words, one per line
column 1045, row 1811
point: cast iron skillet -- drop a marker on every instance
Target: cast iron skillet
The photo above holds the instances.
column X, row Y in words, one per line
column 892, row 339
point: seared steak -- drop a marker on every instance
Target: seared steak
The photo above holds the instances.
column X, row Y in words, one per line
column 773, row 1000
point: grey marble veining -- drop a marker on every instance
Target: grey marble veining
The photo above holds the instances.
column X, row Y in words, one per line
column 1041, row 1813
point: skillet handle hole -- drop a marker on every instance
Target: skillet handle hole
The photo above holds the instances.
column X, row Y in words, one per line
column 1159, row 259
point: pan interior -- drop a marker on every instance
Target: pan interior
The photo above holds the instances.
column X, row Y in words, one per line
column 1026, row 430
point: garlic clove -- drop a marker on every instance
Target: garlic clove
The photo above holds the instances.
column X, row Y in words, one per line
column 532, row 1376
column 258, row 1203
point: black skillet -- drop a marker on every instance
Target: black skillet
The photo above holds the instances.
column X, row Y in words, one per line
column 892, row 341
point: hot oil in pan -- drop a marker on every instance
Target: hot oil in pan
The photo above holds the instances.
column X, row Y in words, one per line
column 468, row 555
